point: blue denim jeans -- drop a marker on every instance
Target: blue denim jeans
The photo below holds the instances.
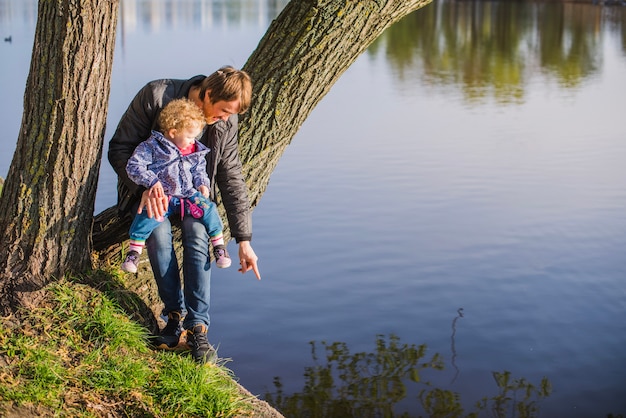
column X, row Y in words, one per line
column 193, row 298
column 142, row 226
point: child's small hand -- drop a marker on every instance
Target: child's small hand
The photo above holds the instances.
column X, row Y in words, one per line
column 156, row 191
column 204, row 190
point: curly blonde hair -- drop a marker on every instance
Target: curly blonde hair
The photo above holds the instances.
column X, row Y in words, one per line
column 180, row 114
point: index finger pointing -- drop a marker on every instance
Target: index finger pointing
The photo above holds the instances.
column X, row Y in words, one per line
column 256, row 270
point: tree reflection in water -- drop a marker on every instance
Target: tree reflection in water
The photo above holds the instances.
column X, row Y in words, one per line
column 453, row 344
column 494, row 50
column 372, row 384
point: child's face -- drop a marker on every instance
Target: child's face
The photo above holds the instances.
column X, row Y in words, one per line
column 183, row 138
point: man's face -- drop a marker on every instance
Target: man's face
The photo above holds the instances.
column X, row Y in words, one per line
column 214, row 112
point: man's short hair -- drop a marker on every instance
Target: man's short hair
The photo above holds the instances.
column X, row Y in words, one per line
column 228, row 84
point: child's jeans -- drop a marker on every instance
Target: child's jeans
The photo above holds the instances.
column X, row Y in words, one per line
column 142, row 225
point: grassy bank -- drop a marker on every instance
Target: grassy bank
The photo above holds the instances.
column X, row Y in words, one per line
column 80, row 355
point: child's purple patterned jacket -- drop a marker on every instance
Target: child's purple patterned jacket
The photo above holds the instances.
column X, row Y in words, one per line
column 158, row 159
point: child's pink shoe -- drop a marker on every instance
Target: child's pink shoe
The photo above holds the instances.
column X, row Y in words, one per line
column 132, row 261
column 222, row 259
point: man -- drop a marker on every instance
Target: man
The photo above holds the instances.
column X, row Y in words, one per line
column 221, row 96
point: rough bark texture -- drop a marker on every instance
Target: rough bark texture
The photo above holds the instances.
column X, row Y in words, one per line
column 47, row 202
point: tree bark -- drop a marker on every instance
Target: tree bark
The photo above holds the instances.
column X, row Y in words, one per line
column 46, row 207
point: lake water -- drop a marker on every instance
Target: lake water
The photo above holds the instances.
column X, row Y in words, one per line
column 463, row 186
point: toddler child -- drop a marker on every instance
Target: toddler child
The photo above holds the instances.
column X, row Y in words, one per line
column 172, row 163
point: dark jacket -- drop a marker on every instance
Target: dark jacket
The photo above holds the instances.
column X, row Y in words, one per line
column 223, row 163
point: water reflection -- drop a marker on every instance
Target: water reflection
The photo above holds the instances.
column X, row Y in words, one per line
column 453, row 343
column 373, row 384
column 487, row 49
column 494, row 49
column 154, row 15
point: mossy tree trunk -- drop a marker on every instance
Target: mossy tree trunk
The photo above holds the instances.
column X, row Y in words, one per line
column 47, row 203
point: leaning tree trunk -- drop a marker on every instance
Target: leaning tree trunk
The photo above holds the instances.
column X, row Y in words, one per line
column 47, row 202
column 303, row 53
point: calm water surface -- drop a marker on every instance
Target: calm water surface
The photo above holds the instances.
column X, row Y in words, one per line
column 462, row 186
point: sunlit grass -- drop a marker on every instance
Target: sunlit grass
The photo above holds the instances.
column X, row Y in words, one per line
column 80, row 355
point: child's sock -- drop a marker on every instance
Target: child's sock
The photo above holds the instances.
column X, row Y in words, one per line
column 136, row 246
column 217, row 240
